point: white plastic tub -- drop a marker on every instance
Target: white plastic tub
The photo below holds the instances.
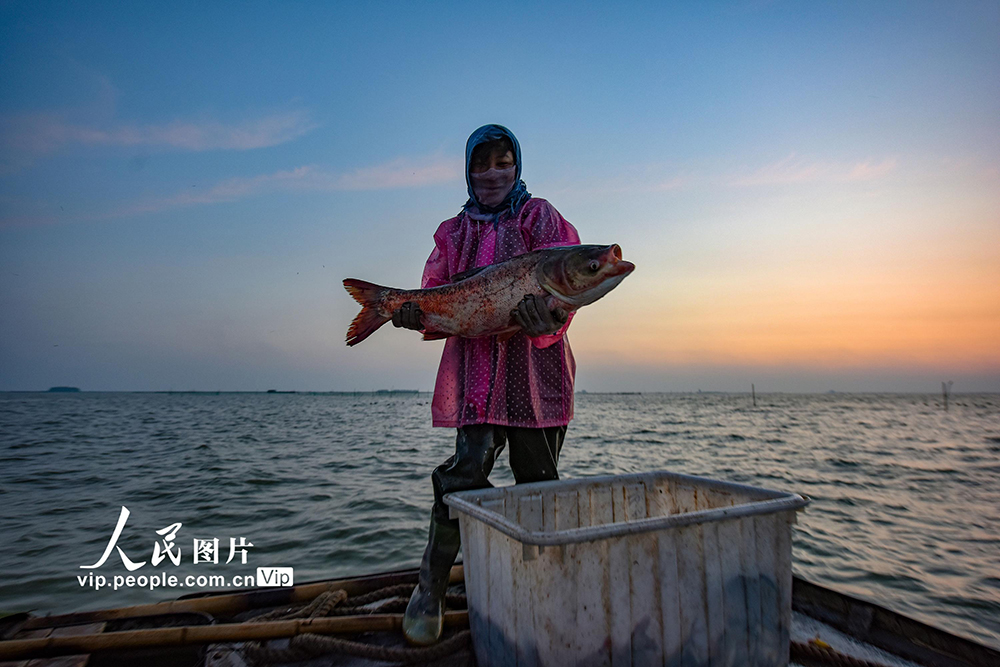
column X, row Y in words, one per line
column 646, row 569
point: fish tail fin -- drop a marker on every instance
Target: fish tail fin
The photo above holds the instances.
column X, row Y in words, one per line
column 369, row 319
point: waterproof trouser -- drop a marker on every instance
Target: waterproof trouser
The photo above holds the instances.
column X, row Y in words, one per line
column 534, row 455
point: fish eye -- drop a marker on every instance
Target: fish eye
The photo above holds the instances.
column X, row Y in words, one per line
column 594, row 265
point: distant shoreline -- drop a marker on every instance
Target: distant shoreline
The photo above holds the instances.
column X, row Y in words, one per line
column 413, row 392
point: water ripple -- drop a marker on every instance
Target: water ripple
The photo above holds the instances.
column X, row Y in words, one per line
column 904, row 495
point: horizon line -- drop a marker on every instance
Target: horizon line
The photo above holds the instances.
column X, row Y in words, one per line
column 77, row 390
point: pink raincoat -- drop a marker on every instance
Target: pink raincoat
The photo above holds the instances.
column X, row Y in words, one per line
column 526, row 382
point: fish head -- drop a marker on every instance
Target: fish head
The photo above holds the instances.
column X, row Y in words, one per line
column 580, row 275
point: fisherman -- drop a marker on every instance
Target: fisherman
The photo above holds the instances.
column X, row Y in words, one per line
column 518, row 392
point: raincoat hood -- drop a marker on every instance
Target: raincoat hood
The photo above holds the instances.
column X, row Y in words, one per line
column 518, row 194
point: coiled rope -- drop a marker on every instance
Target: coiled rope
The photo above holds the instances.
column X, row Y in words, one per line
column 336, row 603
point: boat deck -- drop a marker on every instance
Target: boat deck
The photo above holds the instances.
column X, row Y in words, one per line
column 850, row 626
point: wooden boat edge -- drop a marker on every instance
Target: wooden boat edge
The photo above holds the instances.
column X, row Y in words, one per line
column 889, row 630
column 866, row 621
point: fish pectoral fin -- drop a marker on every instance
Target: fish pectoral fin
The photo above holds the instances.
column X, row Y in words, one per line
column 436, row 335
column 507, row 335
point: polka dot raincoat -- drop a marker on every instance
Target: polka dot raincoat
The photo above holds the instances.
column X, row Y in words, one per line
column 525, row 382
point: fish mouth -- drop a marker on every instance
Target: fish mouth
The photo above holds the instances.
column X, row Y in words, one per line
column 613, row 257
column 622, row 269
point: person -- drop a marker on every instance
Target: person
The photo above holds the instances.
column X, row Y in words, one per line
column 516, row 393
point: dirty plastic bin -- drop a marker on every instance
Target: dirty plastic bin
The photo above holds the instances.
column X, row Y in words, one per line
column 645, row 569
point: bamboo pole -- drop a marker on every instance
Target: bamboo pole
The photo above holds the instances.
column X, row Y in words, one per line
column 945, row 391
column 209, row 634
column 233, row 603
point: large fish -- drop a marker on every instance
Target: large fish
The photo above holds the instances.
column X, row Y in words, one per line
column 479, row 302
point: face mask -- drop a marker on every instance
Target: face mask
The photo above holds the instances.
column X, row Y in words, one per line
column 492, row 185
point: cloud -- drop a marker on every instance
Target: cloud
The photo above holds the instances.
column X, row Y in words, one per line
column 788, row 170
column 402, row 173
column 233, row 189
column 625, row 180
column 25, row 220
column 867, row 171
column 675, row 183
column 793, row 170
column 26, row 137
column 258, row 133
column 395, row 174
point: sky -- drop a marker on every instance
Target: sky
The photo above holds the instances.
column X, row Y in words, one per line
column 810, row 191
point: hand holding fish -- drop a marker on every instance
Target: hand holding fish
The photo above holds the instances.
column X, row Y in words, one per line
column 535, row 317
column 408, row 316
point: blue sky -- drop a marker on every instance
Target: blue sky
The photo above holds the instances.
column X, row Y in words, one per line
column 809, row 190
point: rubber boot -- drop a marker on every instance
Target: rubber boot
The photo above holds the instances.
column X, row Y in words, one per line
column 424, row 617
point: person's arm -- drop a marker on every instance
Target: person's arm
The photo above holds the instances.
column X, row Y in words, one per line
column 435, row 274
column 547, row 228
column 436, row 269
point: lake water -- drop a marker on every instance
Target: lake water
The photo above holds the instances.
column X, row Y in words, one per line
column 905, row 496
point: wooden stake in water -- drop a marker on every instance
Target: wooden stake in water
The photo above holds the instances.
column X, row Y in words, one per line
column 945, row 391
column 753, row 392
